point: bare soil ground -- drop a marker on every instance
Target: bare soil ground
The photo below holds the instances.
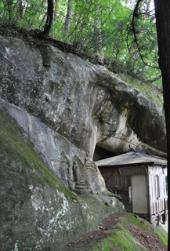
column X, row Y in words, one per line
column 146, row 238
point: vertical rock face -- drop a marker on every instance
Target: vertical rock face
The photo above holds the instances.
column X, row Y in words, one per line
column 65, row 159
column 37, row 211
column 65, row 106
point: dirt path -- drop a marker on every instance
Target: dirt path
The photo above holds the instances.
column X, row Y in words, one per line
column 145, row 237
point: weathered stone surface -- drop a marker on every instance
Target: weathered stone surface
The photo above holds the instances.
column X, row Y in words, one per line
column 65, row 106
column 65, row 159
column 37, row 212
column 74, row 106
column 83, row 102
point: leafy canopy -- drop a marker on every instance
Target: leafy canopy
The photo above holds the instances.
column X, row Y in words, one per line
column 96, row 26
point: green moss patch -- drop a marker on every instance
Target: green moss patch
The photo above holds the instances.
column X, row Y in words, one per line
column 19, row 155
column 121, row 232
column 22, row 165
column 152, row 92
column 121, row 240
column 162, row 234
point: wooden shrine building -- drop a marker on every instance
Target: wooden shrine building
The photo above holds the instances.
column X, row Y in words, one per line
column 140, row 181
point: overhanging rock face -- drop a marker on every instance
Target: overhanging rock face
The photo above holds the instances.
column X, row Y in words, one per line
column 61, row 106
column 67, row 105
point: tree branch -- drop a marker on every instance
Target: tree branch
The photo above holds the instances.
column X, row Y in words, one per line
column 133, row 27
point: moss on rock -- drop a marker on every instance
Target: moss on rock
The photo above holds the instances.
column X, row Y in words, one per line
column 151, row 91
column 37, row 211
column 21, row 152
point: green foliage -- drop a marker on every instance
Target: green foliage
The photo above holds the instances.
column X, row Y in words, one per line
column 96, row 26
column 122, row 240
column 160, row 232
column 152, row 92
column 120, row 237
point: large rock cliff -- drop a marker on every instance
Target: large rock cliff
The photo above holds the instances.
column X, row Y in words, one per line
column 60, row 106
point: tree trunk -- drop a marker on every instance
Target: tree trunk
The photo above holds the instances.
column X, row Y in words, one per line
column 22, row 5
column 49, row 19
column 56, row 9
column 162, row 13
column 68, row 17
column 9, row 5
column 97, row 32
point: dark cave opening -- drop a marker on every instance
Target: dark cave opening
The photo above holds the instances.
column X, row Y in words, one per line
column 101, row 153
column 112, row 179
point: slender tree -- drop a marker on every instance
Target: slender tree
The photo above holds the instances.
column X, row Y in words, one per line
column 68, row 17
column 9, row 4
column 22, row 5
column 50, row 16
column 97, row 31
